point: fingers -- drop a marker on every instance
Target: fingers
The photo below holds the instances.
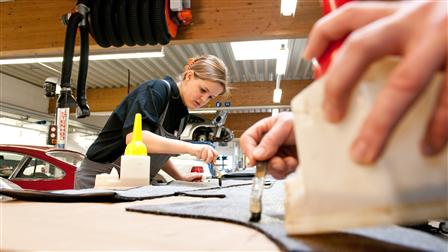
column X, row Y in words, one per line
column 192, row 177
column 341, row 22
column 436, row 136
column 401, row 90
column 281, row 133
column 195, row 177
column 263, row 139
column 211, row 155
column 360, row 49
column 207, row 154
column 252, row 136
column 279, row 167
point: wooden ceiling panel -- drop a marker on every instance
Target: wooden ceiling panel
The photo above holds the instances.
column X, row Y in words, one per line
column 33, row 27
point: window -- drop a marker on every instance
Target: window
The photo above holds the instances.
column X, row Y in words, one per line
column 35, row 168
column 68, row 157
column 8, row 162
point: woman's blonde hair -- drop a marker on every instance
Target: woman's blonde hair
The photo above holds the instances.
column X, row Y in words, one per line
column 210, row 68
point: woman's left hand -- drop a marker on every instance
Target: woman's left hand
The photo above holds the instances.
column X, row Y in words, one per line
column 191, row 177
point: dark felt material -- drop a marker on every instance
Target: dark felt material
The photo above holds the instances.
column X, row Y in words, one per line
column 175, row 188
column 44, row 196
column 234, row 208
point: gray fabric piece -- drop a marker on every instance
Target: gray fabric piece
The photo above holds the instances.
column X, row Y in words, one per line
column 175, row 188
column 234, row 208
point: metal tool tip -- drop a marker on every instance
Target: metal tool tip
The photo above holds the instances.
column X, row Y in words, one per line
column 255, row 217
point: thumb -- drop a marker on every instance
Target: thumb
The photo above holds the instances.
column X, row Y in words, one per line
column 260, row 153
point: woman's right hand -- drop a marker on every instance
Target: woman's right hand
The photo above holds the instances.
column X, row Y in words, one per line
column 204, row 152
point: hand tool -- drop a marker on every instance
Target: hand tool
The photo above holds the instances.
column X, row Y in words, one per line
column 257, row 191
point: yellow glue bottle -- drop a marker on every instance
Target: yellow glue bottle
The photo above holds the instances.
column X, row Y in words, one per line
column 135, row 164
column 136, row 147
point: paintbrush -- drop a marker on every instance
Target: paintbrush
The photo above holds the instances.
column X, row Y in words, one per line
column 257, row 191
column 218, row 174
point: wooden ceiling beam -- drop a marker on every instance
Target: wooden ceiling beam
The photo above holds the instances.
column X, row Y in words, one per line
column 33, row 27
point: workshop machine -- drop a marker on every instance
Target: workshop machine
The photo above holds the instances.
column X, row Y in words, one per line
column 201, row 130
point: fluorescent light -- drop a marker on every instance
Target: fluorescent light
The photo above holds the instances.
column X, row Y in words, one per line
column 288, row 7
column 49, row 67
column 277, row 95
column 30, row 60
column 91, row 57
column 125, row 56
column 256, row 50
column 282, row 60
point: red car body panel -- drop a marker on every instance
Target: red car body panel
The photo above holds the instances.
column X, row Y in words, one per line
column 40, row 152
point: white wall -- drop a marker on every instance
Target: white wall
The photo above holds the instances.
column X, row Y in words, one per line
column 38, row 136
column 22, row 94
column 30, row 97
column 17, row 135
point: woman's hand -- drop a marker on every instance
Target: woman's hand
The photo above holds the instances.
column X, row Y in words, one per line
column 191, row 177
column 415, row 30
column 203, row 152
column 177, row 175
column 272, row 139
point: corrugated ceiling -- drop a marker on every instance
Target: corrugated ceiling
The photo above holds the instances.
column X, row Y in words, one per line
column 114, row 73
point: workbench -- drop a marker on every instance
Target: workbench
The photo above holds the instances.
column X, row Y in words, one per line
column 143, row 224
column 108, row 226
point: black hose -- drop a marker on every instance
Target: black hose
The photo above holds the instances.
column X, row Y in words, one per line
column 97, row 22
column 111, row 22
column 130, row 22
column 65, row 99
column 83, row 109
column 122, row 23
column 133, row 25
column 158, row 22
column 144, row 19
column 69, row 48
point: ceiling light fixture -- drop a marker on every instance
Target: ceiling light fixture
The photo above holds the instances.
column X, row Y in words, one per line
column 282, row 60
column 256, row 50
column 277, row 97
column 288, row 7
column 115, row 56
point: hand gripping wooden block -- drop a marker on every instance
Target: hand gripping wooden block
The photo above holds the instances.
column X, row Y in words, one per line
column 329, row 192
